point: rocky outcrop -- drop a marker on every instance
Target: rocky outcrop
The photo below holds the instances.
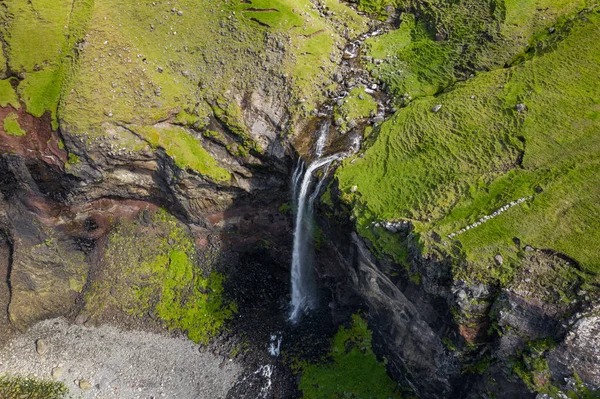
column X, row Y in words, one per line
column 447, row 337
column 61, row 196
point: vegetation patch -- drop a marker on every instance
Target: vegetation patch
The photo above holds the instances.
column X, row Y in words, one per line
column 185, row 149
column 151, row 267
column 356, row 106
column 8, row 95
column 31, row 388
column 11, row 125
column 451, row 40
column 503, row 135
column 351, row 369
column 41, row 42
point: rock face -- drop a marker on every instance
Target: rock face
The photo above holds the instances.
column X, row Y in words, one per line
column 580, row 351
column 55, row 213
column 432, row 333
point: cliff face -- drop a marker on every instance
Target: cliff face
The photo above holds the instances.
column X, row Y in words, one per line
column 154, row 144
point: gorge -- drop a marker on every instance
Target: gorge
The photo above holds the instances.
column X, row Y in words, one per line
column 300, row 199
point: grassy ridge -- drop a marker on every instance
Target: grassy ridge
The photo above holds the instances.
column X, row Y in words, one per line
column 451, row 40
column 185, row 150
column 445, row 170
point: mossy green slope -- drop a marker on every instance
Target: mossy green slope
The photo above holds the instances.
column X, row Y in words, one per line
column 8, row 96
column 353, row 371
column 41, row 38
column 151, row 266
column 450, row 40
column 122, row 62
column 185, row 149
column 448, row 169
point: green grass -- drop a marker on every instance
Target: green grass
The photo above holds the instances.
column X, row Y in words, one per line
column 445, row 170
column 8, row 96
column 41, row 37
column 153, row 268
column 31, row 388
column 357, row 105
column 414, row 63
column 376, row 8
column 312, row 41
column 451, row 40
column 185, row 149
column 11, row 125
column 352, row 372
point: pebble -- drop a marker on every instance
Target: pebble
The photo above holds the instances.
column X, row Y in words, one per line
column 499, row 260
column 85, row 385
column 521, row 107
column 41, row 347
column 436, row 108
column 57, row 372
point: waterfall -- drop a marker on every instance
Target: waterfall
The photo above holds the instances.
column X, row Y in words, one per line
column 323, row 134
column 304, row 296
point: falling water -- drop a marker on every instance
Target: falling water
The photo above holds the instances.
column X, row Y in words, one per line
column 323, row 134
column 304, row 296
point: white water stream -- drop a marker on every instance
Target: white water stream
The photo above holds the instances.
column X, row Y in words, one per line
column 304, row 295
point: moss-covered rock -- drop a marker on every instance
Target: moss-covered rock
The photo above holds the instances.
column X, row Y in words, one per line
column 151, row 267
column 351, row 369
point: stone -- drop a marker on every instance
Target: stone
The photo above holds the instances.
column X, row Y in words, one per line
column 528, row 248
column 436, row 108
column 353, row 189
column 41, row 347
column 85, row 385
column 81, row 319
column 180, row 13
column 57, row 372
column 339, row 122
column 378, row 119
column 551, row 30
column 521, row 107
column 499, row 260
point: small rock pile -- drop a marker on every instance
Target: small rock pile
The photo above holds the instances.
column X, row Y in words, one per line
column 394, row 227
column 489, row 217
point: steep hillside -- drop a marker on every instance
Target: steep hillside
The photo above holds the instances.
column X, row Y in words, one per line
column 147, row 150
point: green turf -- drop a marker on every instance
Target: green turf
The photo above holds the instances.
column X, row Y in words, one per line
column 8, row 96
column 352, row 372
column 356, row 106
column 185, row 149
column 11, row 125
column 446, row 170
column 451, row 40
